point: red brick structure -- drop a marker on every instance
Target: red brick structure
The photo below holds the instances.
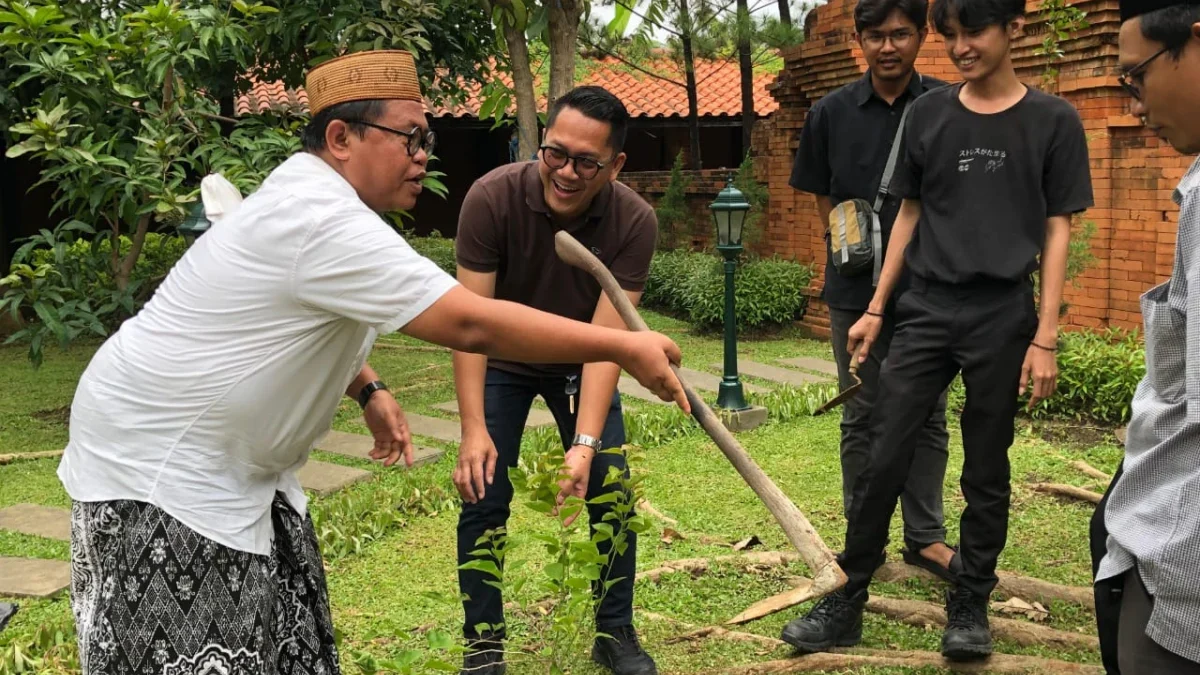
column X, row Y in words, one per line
column 1133, row 172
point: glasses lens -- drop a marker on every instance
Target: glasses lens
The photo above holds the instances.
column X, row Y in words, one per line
column 427, row 141
column 554, row 158
column 586, row 168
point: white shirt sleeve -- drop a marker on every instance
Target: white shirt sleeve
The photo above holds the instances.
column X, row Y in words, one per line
column 356, row 266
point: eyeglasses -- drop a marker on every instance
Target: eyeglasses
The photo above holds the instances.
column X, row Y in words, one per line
column 1131, row 80
column 556, row 158
column 418, row 139
column 899, row 38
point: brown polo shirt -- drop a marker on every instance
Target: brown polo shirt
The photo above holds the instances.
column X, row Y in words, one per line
column 505, row 227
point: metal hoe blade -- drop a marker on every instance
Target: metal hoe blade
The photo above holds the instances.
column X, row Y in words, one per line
column 843, row 396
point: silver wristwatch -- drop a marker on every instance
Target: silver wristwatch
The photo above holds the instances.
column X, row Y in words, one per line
column 589, row 441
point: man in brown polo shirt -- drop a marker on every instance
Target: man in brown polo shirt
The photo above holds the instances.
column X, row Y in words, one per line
column 505, row 249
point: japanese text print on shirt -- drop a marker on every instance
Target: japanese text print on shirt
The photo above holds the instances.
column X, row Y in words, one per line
column 987, row 183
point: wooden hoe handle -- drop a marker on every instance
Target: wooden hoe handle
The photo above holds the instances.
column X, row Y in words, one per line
column 827, row 576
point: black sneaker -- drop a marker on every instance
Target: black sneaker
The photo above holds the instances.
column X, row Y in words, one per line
column 485, row 656
column 622, row 653
column 967, row 636
column 835, row 621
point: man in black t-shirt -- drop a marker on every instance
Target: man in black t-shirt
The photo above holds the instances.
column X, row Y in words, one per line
column 991, row 174
column 844, row 149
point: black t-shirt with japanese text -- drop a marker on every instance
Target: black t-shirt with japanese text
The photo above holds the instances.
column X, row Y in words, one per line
column 988, row 182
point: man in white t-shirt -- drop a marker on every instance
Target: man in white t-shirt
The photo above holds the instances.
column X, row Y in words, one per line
column 191, row 548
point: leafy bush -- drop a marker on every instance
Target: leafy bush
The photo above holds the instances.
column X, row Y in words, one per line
column 669, row 272
column 1098, row 373
column 438, row 249
column 766, row 293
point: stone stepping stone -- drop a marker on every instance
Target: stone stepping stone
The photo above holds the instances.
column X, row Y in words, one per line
column 537, row 416
column 359, row 446
column 709, row 382
column 37, row 520
column 777, row 374
column 812, row 363
column 33, row 578
column 434, row 427
column 324, row 478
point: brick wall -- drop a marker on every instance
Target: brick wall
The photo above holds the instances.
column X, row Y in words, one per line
column 701, row 190
column 1133, row 172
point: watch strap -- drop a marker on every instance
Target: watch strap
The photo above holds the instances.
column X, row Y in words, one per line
column 589, row 441
column 364, row 394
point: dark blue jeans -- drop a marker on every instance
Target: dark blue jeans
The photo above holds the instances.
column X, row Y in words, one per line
column 507, row 399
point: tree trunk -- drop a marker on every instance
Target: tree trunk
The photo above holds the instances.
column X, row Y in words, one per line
column 689, row 66
column 747, row 72
column 527, row 120
column 785, row 12
column 563, row 17
column 125, row 270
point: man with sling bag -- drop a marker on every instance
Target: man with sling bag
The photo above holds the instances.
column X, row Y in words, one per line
column 848, row 149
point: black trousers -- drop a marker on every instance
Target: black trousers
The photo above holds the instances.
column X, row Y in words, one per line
column 921, row 501
column 1139, row 655
column 1109, row 592
column 982, row 331
column 507, row 399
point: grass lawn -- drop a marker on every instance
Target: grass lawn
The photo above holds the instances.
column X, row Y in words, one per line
column 378, row 592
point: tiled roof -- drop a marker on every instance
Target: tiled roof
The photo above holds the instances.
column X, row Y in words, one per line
column 718, row 89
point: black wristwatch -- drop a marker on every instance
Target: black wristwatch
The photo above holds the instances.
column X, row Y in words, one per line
column 364, row 394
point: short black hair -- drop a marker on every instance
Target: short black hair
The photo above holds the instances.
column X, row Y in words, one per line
column 1171, row 26
column 976, row 14
column 370, row 110
column 872, row 13
column 599, row 104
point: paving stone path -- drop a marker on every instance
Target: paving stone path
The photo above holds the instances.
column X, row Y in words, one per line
column 434, row 427
column 777, row 374
column 33, row 578
column 37, row 520
column 359, row 446
column 824, row 366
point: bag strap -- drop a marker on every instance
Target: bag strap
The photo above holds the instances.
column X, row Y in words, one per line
column 884, row 184
column 890, row 168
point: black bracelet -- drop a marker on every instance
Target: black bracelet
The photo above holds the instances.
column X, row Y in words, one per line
column 1048, row 349
column 868, row 312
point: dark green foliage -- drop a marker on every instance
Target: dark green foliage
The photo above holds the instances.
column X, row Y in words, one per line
column 766, row 293
column 672, row 209
column 1098, row 373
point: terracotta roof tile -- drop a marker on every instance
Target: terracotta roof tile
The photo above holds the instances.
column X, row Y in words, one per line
column 718, row 89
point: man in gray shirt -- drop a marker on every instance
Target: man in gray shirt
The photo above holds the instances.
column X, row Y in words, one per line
column 1153, row 549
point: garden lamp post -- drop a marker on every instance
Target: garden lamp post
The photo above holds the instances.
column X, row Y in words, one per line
column 729, row 212
column 195, row 224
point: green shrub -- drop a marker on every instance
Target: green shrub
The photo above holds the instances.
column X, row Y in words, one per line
column 1098, row 373
column 766, row 293
column 672, row 211
column 669, row 275
column 438, row 249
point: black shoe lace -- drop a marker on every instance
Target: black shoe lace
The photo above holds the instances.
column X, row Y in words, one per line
column 626, row 639
column 832, row 605
column 962, row 612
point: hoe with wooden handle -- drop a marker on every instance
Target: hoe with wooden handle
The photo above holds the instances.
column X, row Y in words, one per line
column 827, row 576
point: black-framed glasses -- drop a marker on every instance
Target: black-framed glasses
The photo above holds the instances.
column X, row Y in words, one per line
column 1130, row 80
column 418, row 138
column 556, row 158
column 899, row 38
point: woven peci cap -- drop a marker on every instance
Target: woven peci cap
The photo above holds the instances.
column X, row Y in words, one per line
column 382, row 74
